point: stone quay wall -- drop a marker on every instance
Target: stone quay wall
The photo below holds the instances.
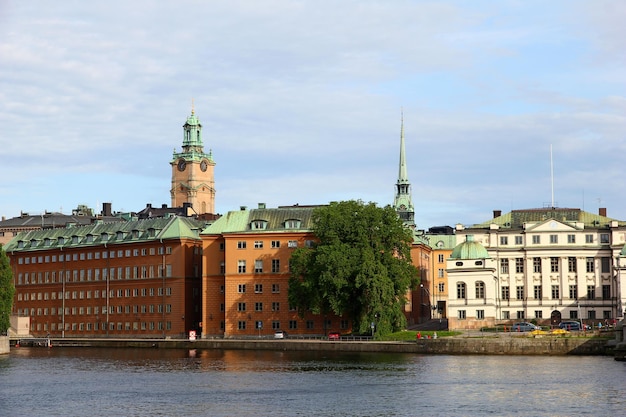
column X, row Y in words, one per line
column 447, row 346
column 4, row 345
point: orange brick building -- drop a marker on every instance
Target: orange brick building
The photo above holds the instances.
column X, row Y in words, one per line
column 246, row 274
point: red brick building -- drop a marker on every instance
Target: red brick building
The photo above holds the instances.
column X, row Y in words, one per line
column 137, row 278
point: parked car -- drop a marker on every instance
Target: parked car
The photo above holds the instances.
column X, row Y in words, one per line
column 524, row 326
column 279, row 334
column 570, row 325
column 334, row 336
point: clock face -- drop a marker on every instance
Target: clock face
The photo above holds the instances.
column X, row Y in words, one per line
column 203, row 166
column 182, row 165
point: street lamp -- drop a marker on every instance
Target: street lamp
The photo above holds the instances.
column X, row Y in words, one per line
column 423, row 304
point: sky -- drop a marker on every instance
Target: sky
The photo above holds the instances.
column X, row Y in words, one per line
column 508, row 104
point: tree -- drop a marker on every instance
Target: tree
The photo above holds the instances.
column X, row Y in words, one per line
column 7, row 290
column 360, row 267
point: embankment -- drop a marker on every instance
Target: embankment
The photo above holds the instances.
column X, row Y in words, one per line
column 447, row 346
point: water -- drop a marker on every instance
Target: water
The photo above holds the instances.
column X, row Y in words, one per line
column 162, row 382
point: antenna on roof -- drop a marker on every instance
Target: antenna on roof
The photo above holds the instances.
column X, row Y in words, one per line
column 551, row 177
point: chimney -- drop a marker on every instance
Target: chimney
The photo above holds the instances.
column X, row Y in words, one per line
column 148, row 205
column 497, row 213
column 602, row 211
column 106, row 209
column 261, row 205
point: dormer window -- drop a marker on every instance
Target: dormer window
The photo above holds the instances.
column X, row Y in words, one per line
column 151, row 232
column 135, row 234
column 46, row 241
column 74, row 239
column 119, row 235
column 60, row 240
column 33, row 242
column 104, row 237
column 89, row 238
column 258, row 225
column 20, row 244
column 292, row 224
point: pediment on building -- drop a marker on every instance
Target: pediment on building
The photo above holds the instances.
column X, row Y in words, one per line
column 550, row 225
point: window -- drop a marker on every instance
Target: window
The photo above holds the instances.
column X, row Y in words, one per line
column 241, row 306
column 440, row 258
column 554, row 264
column 506, row 315
column 536, row 240
column 292, row 224
column 258, row 225
column 504, row 240
column 604, row 238
column 520, row 315
column 275, row 288
column 275, row 306
column 241, row 288
column 519, row 292
column 606, row 292
column 258, row 288
column 480, row 290
column 462, row 315
column 590, row 265
column 292, row 244
column 591, row 292
column 554, row 239
column 555, row 292
column 241, row 266
column 258, row 244
column 591, row 314
column 573, row 314
column 440, row 273
column 519, row 265
column 605, row 265
column 258, row 306
column 293, row 324
column 536, row 265
column 538, row 314
column 241, row 244
column 241, row 325
column 480, row 314
column 573, row 292
column 258, row 266
column 275, row 266
column 441, row 287
column 518, row 240
column 309, row 243
column 506, row 295
column 588, row 238
column 222, row 267
column 571, row 264
column 538, row 292
column 275, row 244
column 460, row 290
column 504, row 266
column 571, row 238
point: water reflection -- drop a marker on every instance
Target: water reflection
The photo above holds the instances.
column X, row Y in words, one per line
column 147, row 382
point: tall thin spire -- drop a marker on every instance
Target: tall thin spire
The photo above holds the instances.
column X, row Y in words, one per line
column 403, row 202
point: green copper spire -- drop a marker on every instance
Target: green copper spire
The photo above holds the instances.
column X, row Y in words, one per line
column 193, row 148
column 402, row 201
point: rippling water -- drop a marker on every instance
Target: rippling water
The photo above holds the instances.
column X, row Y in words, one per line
column 161, row 382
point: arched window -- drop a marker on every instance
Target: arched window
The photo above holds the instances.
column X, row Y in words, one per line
column 461, row 292
column 480, row 290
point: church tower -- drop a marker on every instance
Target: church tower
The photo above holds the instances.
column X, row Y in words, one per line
column 402, row 201
column 192, row 171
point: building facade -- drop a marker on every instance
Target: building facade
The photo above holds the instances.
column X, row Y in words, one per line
column 193, row 180
column 246, row 274
column 136, row 278
column 544, row 265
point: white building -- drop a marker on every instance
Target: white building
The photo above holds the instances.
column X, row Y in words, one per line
column 543, row 265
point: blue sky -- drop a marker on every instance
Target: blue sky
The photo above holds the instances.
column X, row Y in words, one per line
column 300, row 102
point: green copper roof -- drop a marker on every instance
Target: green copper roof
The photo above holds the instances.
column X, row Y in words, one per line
column 441, row 241
column 469, row 249
column 263, row 219
column 106, row 233
column 516, row 218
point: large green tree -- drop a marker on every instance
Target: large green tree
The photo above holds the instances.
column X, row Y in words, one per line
column 360, row 267
column 7, row 290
